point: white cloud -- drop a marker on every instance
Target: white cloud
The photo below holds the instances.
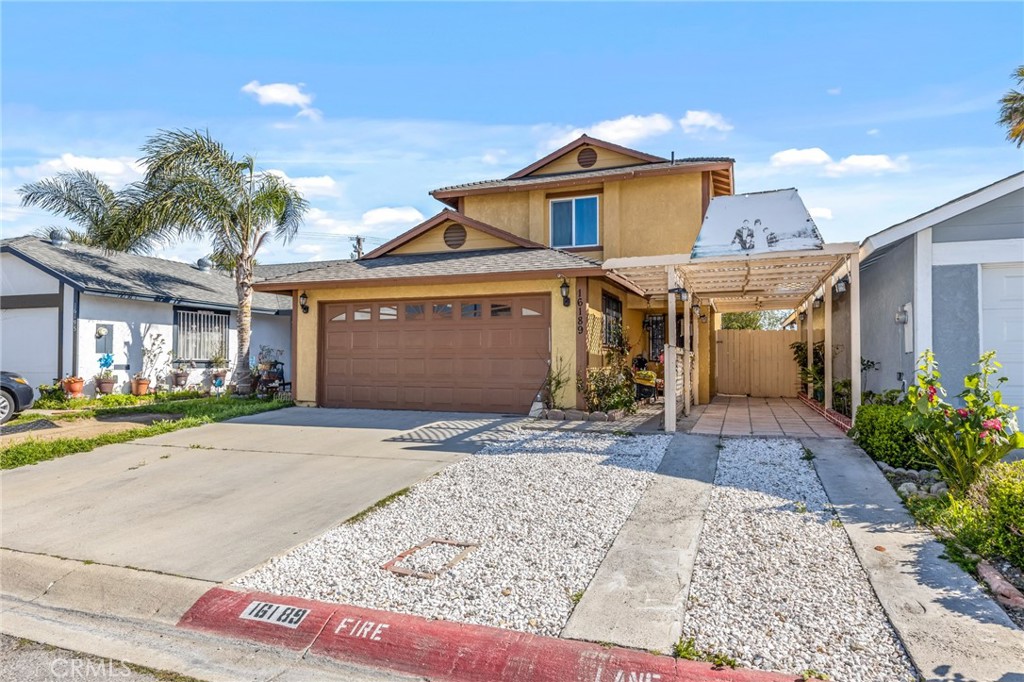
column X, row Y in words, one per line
column 626, row 130
column 834, row 91
column 493, row 157
column 315, row 186
column 874, row 132
column 308, row 249
column 285, row 94
column 867, row 164
column 390, row 215
column 813, row 156
column 703, row 121
column 112, row 170
column 821, row 213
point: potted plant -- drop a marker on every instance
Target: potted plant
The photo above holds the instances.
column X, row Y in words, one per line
column 180, row 372
column 73, row 386
column 151, row 356
column 105, row 379
column 219, row 366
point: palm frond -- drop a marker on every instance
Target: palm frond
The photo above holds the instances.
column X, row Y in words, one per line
column 1011, row 113
column 77, row 195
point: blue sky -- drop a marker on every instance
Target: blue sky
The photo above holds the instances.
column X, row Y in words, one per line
column 874, row 111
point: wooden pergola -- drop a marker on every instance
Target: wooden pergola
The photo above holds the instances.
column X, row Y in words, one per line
column 777, row 280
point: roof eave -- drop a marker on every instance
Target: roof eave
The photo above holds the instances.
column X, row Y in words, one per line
column 271, row 287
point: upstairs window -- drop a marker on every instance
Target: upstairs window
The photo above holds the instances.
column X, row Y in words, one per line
column 574, row 222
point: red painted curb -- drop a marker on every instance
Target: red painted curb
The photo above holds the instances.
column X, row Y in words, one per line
column 437, row 649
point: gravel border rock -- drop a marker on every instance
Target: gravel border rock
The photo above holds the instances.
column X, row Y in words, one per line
column 776, row 583
column 544, row 507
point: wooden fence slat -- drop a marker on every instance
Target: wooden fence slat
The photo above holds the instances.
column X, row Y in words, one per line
column 757, row 363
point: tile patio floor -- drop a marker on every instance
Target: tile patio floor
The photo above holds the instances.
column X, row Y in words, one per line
column 737, row 416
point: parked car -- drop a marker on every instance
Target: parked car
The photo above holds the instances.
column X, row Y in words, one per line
column 15, row 395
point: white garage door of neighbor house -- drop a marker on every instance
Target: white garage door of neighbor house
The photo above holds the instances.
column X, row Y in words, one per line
column 1002, row 324
column 28, row 344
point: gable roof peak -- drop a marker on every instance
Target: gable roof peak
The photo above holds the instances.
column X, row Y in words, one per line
column 455, row 216
column 580, row 141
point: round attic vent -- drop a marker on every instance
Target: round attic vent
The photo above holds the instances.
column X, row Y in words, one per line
column 454, row 236
column 587, row 157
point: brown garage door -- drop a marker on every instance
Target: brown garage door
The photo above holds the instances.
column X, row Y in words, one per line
column 465, row 354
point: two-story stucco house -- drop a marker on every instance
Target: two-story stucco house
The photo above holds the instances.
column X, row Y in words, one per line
column 468, row 310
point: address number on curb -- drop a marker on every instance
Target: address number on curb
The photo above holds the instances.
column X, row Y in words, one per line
column 275, row 614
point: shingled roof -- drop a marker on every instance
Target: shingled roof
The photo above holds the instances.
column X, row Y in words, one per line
column 509, row 263
column 581, row 177
column 98, row 271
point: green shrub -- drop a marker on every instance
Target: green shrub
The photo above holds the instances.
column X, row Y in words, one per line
column 52, row 397
column 117, row 400
column 999, row 492
column 879, row 429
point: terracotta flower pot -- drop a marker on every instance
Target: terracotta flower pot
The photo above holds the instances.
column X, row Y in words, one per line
column 105, row 386
column 73, row 387
column 140, row 386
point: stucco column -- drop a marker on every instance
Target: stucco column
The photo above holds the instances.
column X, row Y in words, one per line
column 687, row 311
column 854, row 293
column 696, row 360
column 828, row 343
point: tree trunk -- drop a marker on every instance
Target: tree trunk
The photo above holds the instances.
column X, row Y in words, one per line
column 243, row 286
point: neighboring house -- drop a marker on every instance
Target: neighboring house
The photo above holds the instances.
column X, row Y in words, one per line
column 950, row 280
column 470, row 309
column 64, row 306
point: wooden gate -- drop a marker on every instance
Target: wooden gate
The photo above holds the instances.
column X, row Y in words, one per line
column 757, row 363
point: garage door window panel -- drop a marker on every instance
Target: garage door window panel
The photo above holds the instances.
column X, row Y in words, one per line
column 442, row 311
column 387, row 313
column 362, row 313
column 415, row 311
column 472, row 311
column 501, row 310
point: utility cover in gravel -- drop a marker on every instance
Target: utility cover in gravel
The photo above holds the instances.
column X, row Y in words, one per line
column 776, row 583
column 543, row 507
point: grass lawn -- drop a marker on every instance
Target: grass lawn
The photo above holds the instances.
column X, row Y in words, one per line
column 186, row 414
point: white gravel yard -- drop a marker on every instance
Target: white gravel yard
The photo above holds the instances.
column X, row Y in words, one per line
column 542, row 507
column 776, row 583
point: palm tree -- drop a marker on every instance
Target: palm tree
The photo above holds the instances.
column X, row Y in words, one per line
column 198, row 187
column 1011, row 114
column 110, row 219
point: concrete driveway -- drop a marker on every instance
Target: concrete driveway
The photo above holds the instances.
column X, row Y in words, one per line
column 214, row 501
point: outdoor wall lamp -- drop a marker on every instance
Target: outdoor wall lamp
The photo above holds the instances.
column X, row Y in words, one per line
column 841, row 285
column 696, row 309
column 681, row 292
column 703, row 318
column 901, row 316
column 803, row 317
column 304, row 302
column 564, row 289
column 818, row 302
column 101, row 332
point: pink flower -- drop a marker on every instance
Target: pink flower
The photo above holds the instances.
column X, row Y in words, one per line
column 983, row 435
column 931, row 394
column 963, row 412
column 993, row 424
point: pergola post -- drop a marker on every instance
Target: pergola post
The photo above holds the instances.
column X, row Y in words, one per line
column 810, row 346
column 670, row 351
column 828, row 343
column 696, row 360
column 854, row 294
column 687, row 311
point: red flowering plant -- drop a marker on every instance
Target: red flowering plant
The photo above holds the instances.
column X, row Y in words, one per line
column 960, row 442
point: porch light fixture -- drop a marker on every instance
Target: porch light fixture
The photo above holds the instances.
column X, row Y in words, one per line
column 304, row 302
column 564, row 289
column 818, row 302
column 841, row 285
column 803, row 317
column 681, row 292
column 703, row 319
column 696, row 309
column 901, row 316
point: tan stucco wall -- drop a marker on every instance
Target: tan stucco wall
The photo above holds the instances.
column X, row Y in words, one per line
column 510, row 211
column 563, row 327
column 433, row 242
column 605, row 159
column 639, row 217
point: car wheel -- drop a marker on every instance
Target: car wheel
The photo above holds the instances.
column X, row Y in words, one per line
column 6, row 407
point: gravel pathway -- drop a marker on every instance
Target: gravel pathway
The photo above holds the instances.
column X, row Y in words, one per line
column 776, row 584
column 542, row 507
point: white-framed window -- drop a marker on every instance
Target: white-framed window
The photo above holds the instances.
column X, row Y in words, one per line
column 200, row 335
column 574, row 222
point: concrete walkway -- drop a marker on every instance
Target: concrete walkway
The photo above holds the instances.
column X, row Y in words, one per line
column 951, row 629
column 779, row 417
column 637, row 597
